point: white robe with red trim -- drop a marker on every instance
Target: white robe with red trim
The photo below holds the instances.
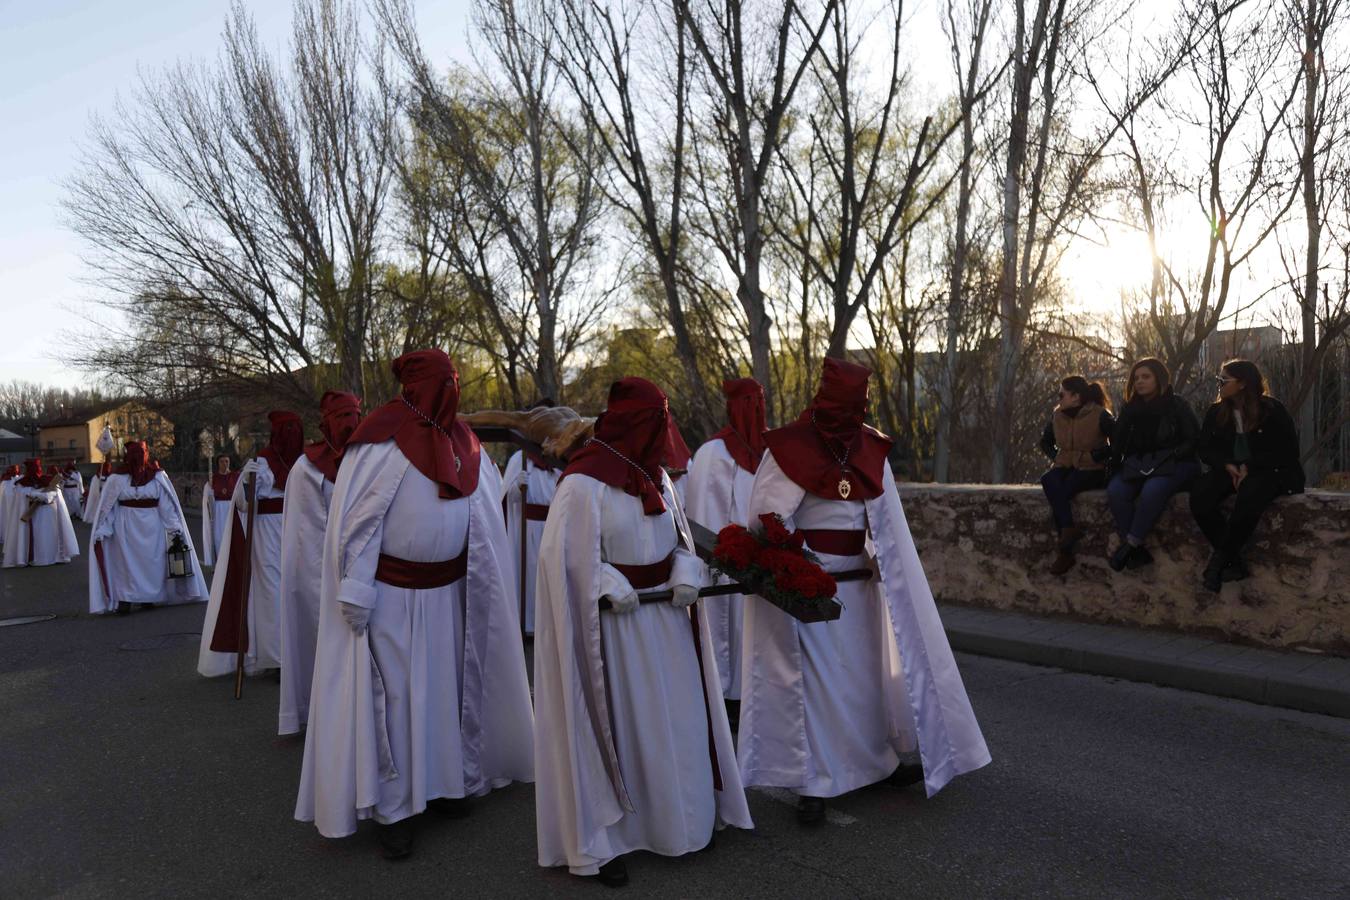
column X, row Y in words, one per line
column 826, row 706
column 308, row 494
column 129, row 547
column 91, row 502
column 540, row 486
column 215, row 523
column 432, row 700
column 49, row 530
column 72, row 488
column 719, row 494
column 622, row 706
column 264, row 603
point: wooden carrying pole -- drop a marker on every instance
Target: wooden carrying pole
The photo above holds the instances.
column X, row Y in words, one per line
column 250, row 498
column 524, row 548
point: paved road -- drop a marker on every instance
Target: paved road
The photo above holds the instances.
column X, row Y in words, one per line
column 122, row 773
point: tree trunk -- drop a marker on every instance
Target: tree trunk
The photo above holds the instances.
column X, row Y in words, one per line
column 1306, row 412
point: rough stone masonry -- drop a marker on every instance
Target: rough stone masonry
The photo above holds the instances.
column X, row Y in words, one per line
column 991, row 546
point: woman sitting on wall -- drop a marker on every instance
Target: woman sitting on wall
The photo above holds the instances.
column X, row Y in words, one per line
column 1075, row 440
column 1154, row 446
column 1250, row 446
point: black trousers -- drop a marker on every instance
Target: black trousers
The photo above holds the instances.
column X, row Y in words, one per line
column 1229, row 535
column 1063, row 484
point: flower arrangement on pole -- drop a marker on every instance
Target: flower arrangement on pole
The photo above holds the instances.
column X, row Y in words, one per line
column 774, row 563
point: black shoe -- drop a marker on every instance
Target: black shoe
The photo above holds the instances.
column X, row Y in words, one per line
column 451, row 807
column 274, row 674
column 1235, row 570
column 905, row 774
column 396, row 838
column 734, row 714
column 1121, row 556
column 810, row 810
column 1138, row 558
column 1212, row 578
column 613, row 873
column 124, row 609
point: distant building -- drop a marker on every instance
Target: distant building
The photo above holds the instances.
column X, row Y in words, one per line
column 14, row 448
column 74, row 436
column 1244, row 343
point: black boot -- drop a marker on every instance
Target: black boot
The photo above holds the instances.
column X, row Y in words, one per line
column 1212, row 578
column 613, row 873
column 1121, row 556
column 1235, row 569
column 905, row 774
column 1139, row 557
column 451, row 807
column 810, row 810
column 396, row 838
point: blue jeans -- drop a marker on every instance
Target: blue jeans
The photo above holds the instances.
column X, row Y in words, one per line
column 1137, row 503
column 1063, row 484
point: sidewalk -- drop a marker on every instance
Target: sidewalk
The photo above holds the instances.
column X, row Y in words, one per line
column 1304, row 681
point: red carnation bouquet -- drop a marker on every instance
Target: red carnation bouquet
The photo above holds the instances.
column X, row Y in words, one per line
column 776, row 565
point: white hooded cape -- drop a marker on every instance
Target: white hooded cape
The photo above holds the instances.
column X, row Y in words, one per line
column 718, row 495
column 53, row 536
column 133, row 560
column 348, row 749
column 303, row 521
column 91, row 502
column 541, row 485
column 933, row 704
column 264, row 626
column 582, row 798
column 215, row 523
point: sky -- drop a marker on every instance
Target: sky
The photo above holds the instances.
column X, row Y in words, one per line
column 62, row 61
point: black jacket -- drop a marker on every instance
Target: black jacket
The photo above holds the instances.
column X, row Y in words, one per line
column 1164, row 424
column 1273, row 445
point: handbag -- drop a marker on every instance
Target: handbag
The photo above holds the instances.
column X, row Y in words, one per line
column 1147, row 465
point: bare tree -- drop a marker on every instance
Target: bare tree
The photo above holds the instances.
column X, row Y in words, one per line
column 246, row 198
column 524, row 180
column 753, row 59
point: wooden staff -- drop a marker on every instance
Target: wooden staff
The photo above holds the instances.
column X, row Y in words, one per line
column 248, row 578
column 721, row 590
column 524, row 528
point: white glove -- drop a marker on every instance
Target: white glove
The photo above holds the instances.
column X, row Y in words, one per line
column 626, row 603
column 521, row 480
column 358, row 617
column 685, row 595
column 250, row 467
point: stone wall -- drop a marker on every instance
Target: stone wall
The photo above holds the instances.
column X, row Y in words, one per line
column 991, row 546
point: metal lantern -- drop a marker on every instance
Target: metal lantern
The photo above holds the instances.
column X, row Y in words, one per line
column 180, row 557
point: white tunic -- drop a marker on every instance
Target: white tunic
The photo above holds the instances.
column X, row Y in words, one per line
column 621, row 741
column 91, row 502
column 5, row 487
column 826, row 706
column 48, row 532
column 308, row 494
column 433, row 699
column 72, row 488
column 719, row 494
column 541, row 484
column 215, row 523
column 264, row 615
column 129, row 559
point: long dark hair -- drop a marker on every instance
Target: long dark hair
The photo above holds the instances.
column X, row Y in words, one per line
column 1160, row 374
column 1090, row 391
column 1249, row 401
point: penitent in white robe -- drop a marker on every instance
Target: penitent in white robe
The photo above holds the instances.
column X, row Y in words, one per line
column 719, row 494
column 5, row 488
column 826, row 706
column 48, row 532
column 433, row 699
column 128, row 559
column 622, row 716
column 541, row 484
column 308, row 494
column 91, row 502
column 264, row 610
column 72, row 488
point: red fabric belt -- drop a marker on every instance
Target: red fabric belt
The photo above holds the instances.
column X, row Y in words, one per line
column 405, row 573
column 835, row 541
column 270, row 506
column 146, row 503
column 536, row 512
column 647, row 576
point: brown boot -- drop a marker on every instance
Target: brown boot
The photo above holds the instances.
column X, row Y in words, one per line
column 1064, row 561
column 1068, row 537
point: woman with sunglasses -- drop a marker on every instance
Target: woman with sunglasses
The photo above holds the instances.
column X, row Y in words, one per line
column 1250, row 446
column 1154, row 447
column 1075, row 440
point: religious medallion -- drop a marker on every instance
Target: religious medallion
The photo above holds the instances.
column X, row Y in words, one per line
column 845, row 488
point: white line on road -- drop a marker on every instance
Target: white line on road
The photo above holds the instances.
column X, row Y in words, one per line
column 783, row 795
